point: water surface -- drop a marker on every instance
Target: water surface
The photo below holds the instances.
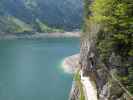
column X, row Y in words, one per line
column 30, row 69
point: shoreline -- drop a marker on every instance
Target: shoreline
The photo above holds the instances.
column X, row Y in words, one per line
column 41, row 35
column 70, row 64
column 88, row 87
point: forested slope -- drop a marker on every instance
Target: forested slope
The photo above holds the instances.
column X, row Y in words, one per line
column 39, row 15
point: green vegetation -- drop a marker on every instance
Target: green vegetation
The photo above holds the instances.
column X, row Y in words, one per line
column 11, row 24
column 77, row 78
column 57, row 14
column 41, row 27
column 114, row 34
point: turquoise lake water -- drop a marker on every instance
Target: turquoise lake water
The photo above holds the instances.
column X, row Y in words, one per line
column 31, row 69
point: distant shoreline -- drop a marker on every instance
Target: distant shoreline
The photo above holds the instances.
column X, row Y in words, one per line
column 41, row 35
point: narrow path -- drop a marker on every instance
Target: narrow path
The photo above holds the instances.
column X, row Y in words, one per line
column 89, row 89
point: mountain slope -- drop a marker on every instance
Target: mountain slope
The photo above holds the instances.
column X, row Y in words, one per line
column 66, row 14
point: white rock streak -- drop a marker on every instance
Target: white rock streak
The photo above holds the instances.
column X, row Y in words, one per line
column 89, row 89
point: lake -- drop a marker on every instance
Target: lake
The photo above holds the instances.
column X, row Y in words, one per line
column 30, row 69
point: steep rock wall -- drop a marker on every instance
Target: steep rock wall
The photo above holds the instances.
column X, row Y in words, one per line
column 108, row 87
column 102, row 73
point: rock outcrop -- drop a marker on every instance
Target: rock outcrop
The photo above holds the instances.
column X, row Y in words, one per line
column 108, row 87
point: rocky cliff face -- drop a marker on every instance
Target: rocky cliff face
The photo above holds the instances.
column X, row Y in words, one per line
column 105, row 67
column 108, row 87
column 102, row 73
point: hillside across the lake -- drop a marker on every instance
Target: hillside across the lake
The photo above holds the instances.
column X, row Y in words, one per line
column 40, row 15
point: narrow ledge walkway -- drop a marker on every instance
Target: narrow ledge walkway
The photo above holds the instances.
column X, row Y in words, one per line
column 89, row 89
